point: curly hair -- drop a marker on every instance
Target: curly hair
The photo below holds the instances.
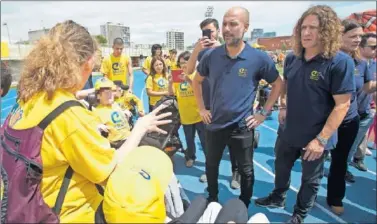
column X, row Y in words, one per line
column 55, row 62
column 330, row 31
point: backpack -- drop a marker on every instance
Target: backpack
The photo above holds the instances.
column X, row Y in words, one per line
column 21, row 173
column 170, row 142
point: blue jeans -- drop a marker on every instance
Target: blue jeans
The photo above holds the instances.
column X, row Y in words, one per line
column 364, row 125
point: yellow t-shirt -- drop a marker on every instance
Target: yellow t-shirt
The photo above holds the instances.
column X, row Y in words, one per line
column 126, row 102
column 172, row 64
column 187, row 105
column 71, row 139
column 116, row 68
column 158, row 84
column 116, row 120
column 147, row 63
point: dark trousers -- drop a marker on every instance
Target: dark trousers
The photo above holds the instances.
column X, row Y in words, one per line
column 241, row 145
column 190, row 130
column 312, row 173
column 336, row 184
column 233, row 210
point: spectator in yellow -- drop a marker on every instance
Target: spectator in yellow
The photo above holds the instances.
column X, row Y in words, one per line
column 156, row 52
column 55, row 69
column 118, row 67
column 110, row 113
column 157, row 82
column 171, row 62
column 188, row 110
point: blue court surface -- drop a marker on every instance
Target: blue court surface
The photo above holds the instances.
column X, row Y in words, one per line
column 360, row 201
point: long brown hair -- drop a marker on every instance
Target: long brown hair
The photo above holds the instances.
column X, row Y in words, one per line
column 330, row 31
column 55, row 62
column 348, row 25
column 153, row 71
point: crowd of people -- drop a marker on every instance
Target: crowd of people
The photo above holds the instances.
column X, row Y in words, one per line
column 82, row 162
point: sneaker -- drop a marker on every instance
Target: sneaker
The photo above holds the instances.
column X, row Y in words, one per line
column 295, row 219
column 271, row 201
column 359, row 164
column 368, row 152
column 337, row 209
column 189, row 163
column 203, row 178
column 236, row 179
column 349, row 177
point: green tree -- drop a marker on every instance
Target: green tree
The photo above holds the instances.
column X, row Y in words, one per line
column 101, row 39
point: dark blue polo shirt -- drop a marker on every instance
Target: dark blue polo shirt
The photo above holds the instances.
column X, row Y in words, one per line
column 310, row 89
column 362, row 75
column 233, row 82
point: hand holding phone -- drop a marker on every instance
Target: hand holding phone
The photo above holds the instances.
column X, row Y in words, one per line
column 207, row 33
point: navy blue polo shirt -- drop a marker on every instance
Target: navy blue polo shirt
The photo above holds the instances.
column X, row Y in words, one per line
column 310, row 89
column 205, row 84
column 233, row 82
column 362, row 75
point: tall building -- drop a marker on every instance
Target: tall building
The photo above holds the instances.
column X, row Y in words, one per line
column 256, row 33
column 175, row 40
column 115, row 30
column 269, row 34
column 35, row 35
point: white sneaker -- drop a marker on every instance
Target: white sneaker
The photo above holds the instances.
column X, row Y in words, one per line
column 368, row 152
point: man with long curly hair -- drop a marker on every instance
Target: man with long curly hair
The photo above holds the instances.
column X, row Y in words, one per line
column 318, row 85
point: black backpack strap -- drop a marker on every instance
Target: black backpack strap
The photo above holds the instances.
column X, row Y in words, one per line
column 63, row 191
column 68, row 174
column 55, row 113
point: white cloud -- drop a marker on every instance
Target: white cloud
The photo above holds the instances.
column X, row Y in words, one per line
column 149, row 21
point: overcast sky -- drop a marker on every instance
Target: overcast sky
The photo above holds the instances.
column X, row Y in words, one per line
column 149, row 21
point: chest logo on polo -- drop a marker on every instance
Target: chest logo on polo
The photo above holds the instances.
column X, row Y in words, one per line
column 314, row 75
column 242, row 72
column 356, row 72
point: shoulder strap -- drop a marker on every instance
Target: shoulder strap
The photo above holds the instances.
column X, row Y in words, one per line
column 68, row 174
column 63, row 191
column 55, row 113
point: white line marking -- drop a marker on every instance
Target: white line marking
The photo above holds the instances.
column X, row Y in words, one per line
column 6, row 108
column 294, row 189
column 12, row 98
column 338, row 219
column 369, row 171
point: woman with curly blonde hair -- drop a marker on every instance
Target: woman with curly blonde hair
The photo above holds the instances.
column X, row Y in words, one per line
column 318, row 85
column 71, row 144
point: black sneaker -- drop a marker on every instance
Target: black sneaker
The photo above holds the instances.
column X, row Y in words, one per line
column 271, row 201
column 295, row 219
column 349, row 177
column 359, row 164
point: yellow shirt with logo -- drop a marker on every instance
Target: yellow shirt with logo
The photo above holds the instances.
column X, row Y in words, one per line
column 72, row 139
column 158, row 84
column 187, row 105
column 116, row 120
column 116, row 68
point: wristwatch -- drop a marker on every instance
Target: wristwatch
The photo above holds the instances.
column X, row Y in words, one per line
column 323, row 141
column 263, row 112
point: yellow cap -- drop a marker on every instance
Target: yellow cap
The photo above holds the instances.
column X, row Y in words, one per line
column 135, row 190
column 104, row 83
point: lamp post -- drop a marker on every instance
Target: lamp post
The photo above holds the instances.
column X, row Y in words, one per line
column 6, row 24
